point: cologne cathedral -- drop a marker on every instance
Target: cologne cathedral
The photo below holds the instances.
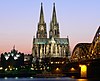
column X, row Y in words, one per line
column 52, row 46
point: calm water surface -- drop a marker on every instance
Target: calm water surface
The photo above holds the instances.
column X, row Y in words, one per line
column 45, row 79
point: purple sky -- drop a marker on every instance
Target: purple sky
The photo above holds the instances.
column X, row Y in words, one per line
column 78, row 19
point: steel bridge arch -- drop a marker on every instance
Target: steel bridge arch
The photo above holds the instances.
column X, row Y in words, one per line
column 84, row 51
column 94, row 50
column 80, row 52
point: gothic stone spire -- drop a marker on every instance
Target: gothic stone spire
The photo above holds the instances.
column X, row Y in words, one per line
column 41, row 32
column 41, row 15
column 54, row 25
column 54, row 18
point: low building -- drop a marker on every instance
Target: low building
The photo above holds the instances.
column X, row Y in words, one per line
column 27, row 60
column 12, row 59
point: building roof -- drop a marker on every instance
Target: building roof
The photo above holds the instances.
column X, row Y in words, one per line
column 47, row 40
column 40, row 41
column 61, row 40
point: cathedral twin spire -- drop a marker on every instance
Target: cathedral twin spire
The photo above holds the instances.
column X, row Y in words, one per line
column 54, row 18
column 41, row 15
column 54, row 26
column 41, row 32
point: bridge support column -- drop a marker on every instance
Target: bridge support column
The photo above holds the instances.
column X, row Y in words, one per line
column 83, row 71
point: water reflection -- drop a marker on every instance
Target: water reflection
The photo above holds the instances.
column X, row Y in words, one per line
column 16, row 77
column 31, row 77
column 82, row 80
column 37, row 79
column 5, row 78
column 45, row 79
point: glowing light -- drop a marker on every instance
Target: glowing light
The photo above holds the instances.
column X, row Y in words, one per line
column 16, row 77
column 57, row 69
column 6, row 57
column 16, row 68
column 32, row 65
column 51, row 62
column 83, row 70
column 5, row 78
column 63, row 62
column 40, row 68
column 9, row 66
column 80, row 65
column 6, row 69
column 12, row 54
column 72, row 76
column 72, row 69
column 10, row 69
column 8, row 54
column 88, row 64
column 47, row 67
column 17, row 55
column 15, row 58
column 31, row 77
column 82, row 80
column 1, row 68
column 32, row 68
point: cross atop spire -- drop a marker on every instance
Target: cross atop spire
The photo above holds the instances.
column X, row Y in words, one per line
column 14, row 47
column 54, row 18
column 41, row 15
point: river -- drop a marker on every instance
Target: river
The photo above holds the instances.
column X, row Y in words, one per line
column 45, row 79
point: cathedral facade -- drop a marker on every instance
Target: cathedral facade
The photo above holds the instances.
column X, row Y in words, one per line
column 52, row 46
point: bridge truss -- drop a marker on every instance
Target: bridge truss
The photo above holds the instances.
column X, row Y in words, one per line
column 87, row 51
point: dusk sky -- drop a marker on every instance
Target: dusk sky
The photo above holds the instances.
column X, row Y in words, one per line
column 78, row 19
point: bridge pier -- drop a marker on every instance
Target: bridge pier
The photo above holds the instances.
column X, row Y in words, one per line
column 83, row 71
column 78, row 70
column 94, row 69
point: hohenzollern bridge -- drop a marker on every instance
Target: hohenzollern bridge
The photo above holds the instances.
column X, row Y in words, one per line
column 87, row 57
